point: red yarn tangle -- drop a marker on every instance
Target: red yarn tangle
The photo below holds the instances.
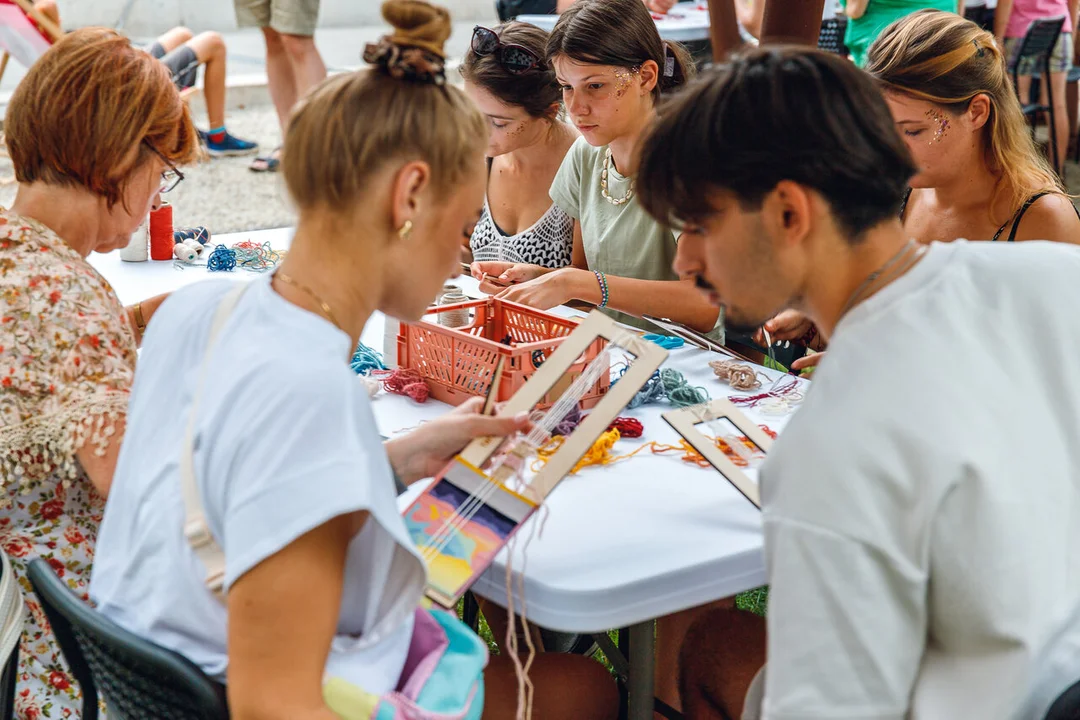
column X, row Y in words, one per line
column 403, row 382
column 627, row 427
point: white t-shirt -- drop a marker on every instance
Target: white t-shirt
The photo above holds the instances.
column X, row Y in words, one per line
column 285, row 441
column 922, row 509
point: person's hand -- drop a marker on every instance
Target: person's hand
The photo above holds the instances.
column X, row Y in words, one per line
column 788, row 325
column 426, row 450
column 506, row 273
column 545, row 292
column 660, row 6
column 807, row 363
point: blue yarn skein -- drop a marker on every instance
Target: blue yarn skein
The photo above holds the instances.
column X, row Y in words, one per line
column 680, row 392
column 223, row 259
column 364, row 360
column 665, row 341
column 650, row 392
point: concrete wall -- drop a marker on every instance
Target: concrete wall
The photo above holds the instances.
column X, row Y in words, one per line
column 150, row 17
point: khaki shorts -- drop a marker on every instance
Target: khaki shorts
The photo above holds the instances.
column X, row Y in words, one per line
column 290, row 17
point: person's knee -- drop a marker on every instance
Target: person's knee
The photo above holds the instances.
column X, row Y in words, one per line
column 181, row 33
column 274, row 45
column 298, row 47
column 209, row 44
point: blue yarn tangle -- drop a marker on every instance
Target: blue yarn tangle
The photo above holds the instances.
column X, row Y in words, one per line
column 665, row 341
column 652, row 391
column 365, row 360
column 223, row 259
column 679, row 391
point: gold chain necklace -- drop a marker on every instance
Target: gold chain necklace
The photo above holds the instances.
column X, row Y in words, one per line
column 310, row 293
column 871, row 279
column 603, row 183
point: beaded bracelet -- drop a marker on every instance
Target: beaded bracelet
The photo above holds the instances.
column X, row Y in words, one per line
column 602, row 279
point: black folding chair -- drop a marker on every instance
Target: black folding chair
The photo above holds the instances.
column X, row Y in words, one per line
column 831, row 37
column 1037, row 46
column 12, row 614
column 137, row 678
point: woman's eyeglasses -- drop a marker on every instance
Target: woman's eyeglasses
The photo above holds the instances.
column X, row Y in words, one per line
column 171, row 177
column 514, row 58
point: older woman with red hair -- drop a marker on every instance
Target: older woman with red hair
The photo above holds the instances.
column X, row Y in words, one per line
column 95, row 131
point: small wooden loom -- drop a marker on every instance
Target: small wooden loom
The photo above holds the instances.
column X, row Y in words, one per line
column 685, row 421
column 470, row 511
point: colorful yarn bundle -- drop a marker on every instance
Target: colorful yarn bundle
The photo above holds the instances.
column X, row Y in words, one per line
column 570, row 422
column 739, row 376
column 778, row 400
column 254, row 257
column 665, row 341
column 650, row 392
column 679, row 391
column 690, row 455
column 221, row 260
column 627, row 427
column 365, row 360
column 403, row 381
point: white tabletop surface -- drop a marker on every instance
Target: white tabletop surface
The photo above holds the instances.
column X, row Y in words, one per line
column 618, row 545
column 687, row 21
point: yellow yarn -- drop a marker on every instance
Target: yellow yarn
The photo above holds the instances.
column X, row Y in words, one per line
column 598, row 454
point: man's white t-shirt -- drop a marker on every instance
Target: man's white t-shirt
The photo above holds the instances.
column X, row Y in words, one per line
column 922, row 509
column 285, row 441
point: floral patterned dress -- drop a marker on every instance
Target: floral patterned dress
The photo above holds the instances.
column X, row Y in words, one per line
column 67, row 360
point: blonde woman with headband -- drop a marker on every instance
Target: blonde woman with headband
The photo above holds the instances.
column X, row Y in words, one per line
column 386, row 169
column 980, row 175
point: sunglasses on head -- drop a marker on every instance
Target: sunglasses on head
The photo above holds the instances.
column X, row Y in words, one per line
column 514, row 58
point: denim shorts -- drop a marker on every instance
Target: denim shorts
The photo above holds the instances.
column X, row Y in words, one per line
column 1060, row 58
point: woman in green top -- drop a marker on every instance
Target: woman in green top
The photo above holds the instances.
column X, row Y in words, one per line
column 612, row 66
column 867, row 18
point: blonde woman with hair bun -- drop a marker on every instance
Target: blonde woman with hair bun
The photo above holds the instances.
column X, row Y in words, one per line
column 321, row 578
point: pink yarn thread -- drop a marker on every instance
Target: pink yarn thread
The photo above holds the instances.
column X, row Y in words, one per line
column 404, row 381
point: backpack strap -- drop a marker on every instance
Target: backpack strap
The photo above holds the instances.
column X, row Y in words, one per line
column 196, row 530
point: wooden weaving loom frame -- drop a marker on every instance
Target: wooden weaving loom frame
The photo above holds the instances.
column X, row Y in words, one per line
column 685, row 421
column 646, row 358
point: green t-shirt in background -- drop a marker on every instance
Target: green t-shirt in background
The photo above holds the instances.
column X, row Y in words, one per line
column 620, row 240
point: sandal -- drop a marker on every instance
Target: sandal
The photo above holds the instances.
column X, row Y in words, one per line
column 267, row 163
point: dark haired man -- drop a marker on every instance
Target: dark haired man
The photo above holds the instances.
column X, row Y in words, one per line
column 922, row 509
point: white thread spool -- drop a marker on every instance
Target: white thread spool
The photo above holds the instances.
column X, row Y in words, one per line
column 138, row 248
column 452, row 295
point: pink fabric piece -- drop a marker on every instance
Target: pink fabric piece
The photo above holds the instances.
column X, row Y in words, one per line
column 1025, row 11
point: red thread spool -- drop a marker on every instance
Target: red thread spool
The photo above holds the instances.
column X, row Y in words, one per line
column 628, row 427
column 161, row 233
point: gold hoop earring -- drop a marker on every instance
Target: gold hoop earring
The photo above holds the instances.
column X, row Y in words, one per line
column 405, row 230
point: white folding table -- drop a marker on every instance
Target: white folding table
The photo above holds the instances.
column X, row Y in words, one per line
column 619, row 546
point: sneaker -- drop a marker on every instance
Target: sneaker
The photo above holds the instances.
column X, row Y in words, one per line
column 230, row 146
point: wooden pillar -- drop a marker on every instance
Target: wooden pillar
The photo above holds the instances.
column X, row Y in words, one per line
column 792, row 21
column 723, row 28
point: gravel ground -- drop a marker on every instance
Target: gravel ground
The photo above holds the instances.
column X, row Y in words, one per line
column 225, row 196
column 222, row 193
